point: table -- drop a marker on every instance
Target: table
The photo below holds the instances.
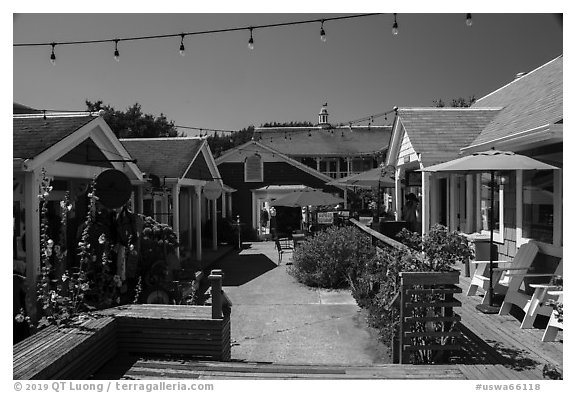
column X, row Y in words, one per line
column 541, row 291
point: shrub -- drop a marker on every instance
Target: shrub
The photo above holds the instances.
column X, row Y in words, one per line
column 329, row 259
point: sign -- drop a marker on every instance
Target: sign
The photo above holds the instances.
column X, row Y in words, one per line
column 326, row 218
column 113, row 188
column 212, row 190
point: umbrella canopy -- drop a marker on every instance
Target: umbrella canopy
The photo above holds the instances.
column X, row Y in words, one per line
column 490, row 161
column 307, row 197
column 487, row 161
column 371, row 178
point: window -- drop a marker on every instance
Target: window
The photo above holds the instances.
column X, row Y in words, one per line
column 538, row 205
column 485, row 206
column 253, row 169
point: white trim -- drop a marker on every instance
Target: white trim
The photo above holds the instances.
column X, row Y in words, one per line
column 536, row 134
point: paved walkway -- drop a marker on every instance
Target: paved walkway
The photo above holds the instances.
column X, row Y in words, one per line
column 276, row 319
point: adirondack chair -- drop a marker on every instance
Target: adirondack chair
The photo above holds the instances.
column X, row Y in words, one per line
column 554, row 323
column 532, row 303
column 522, row 261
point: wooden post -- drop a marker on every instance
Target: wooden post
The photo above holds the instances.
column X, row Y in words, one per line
column 216, row 292
column 176, row 214
column 32, row 220
column 402, row 355
column 214, row 217
column 198, row 222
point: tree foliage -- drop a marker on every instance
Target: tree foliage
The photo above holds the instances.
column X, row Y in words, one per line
column 290, row 124
column 219, row 143
column 459, row 102
column 132, row 123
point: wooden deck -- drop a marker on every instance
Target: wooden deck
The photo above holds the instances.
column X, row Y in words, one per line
column 495, row 339
column 150, row 369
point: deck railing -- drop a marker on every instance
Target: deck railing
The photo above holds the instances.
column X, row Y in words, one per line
column 425, row 303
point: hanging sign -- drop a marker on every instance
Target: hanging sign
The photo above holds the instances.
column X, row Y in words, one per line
column 326, row 218
column 212, row 190
column 113, row 188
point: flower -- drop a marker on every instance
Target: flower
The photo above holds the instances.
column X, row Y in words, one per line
column 19, row 318
column 85, row 287
column 65, row 277
column 102, row 239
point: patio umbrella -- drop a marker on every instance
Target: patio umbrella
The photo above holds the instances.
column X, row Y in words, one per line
column 376, row 177
column 307, row 197
column 490, row 161
column 372, row 178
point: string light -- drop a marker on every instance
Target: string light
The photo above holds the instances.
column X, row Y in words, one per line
column 53, row 55
column 322, row 32
column 204, row 32
column 468, row 20
column 395, row 26
column 116, row 53
column 182, row 49
column 251, row 41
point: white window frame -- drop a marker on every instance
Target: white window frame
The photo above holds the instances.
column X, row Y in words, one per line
column 557, row 228
column 261, row 179
column 498, row 236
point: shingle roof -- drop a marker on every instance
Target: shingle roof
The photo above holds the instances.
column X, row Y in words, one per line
column 168, row 157
column 34, row 135
column 337, row 141
column 530, row 101
column 439, row 133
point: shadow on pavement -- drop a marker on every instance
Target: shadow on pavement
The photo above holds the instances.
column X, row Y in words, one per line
column 240, row 269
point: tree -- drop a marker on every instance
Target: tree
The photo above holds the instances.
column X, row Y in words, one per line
column 133, row 123
column 459, row 102
column 220, row 143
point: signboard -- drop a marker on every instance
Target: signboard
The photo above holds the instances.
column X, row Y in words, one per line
column 212, row 190
column 326, row 218
column 345, row 214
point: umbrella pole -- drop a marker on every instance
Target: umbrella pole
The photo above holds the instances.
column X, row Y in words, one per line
column 489, row 308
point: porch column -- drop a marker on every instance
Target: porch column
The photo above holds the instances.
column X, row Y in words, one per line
column 32, row 213
column 398, row 194
column 317, row 163
column 198, row 221
column 425, row 202
column 214, row 216
column 349, row 165
column 176, row 214
column 452, row 201
column 139, row 197
column 469, row 203
column 338, row 168
column 346, row 198
column 191, row 216
column 224, row 196
column 229, row 205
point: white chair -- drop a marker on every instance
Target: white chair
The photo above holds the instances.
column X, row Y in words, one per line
column 522, row 261
column 532, row 303
column 554, row 323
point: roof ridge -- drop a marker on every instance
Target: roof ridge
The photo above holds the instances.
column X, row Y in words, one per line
column 42, row 115
column 451, row 108
column 521, row 77
column 164, row 138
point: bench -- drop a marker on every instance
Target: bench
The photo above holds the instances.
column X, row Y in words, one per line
column 79, row 351
column 283, row 245
column 66, row 352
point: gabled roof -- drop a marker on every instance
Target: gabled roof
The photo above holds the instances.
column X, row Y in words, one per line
column 439, row 133
column 33, row 135
column 317, row 141
column 531, row 101
column 170, row 157
column 20, row 109
column 254, row 146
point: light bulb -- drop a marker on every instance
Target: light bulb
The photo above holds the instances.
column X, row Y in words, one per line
column 468, row 20
column 395, row 26
column 116, row 53
column 182, row 49
column 251, row 41
column 322, row 33
column 53, row 56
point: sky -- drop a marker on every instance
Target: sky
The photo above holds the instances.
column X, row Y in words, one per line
column 361, row 69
